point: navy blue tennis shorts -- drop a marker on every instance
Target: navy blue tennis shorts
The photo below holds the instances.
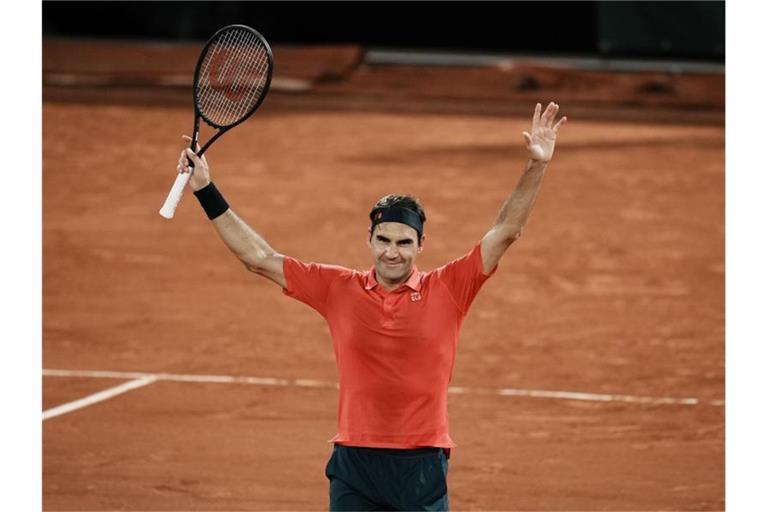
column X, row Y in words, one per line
column 387, row 479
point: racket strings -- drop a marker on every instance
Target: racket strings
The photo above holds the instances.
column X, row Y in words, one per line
column 227, row 100
column 211, row 97
column 232, row 77
column 229, row 48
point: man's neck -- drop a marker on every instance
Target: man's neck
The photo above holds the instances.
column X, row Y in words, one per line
column 391, row 285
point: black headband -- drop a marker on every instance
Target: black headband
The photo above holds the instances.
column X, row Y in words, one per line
column 397, row 214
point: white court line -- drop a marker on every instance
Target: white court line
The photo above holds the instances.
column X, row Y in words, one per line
column 97, row 397
column 311, row 383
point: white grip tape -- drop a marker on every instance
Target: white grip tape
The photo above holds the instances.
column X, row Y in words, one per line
column 174, row 196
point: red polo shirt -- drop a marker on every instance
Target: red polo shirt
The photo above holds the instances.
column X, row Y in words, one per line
column 394, row 350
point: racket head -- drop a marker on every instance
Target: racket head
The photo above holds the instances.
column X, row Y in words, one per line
column 232, row 76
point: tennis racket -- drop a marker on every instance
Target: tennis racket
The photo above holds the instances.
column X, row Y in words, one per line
column 232, row 78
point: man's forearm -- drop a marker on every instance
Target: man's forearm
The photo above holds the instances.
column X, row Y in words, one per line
column 515, row 210
column 243, row 241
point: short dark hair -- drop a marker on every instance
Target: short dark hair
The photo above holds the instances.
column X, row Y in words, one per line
column 403, row 201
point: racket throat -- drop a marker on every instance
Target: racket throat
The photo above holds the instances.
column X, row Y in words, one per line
column 195, row 134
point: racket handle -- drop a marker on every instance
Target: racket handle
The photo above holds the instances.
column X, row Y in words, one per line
column 174, row 196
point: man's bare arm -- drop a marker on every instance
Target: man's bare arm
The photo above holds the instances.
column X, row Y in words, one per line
column 514, row 213
column 249, row 247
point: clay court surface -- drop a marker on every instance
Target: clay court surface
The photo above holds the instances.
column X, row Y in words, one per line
column 616, row 288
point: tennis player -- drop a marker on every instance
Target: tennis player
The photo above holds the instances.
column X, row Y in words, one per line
column 394, row 331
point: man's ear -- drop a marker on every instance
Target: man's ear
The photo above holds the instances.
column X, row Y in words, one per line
column 421, row 242
column 370, row 235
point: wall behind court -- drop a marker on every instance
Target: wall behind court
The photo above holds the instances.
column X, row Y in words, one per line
column 671, row 30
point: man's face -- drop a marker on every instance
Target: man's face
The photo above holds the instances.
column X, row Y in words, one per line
column 394, row 247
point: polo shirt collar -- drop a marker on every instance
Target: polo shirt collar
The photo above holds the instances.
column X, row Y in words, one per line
column 413, row 282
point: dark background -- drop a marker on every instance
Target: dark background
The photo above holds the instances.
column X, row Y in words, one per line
column 659, row 30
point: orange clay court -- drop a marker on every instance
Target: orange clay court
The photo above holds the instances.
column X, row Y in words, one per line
column 590, row 370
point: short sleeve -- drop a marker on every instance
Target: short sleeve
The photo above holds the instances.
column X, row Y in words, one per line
column 310, row 283
column 463, row 277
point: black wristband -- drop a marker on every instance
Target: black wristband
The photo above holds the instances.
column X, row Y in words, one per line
column 212, row 201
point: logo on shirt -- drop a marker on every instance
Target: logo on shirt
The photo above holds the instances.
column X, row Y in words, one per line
column 415, row 296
